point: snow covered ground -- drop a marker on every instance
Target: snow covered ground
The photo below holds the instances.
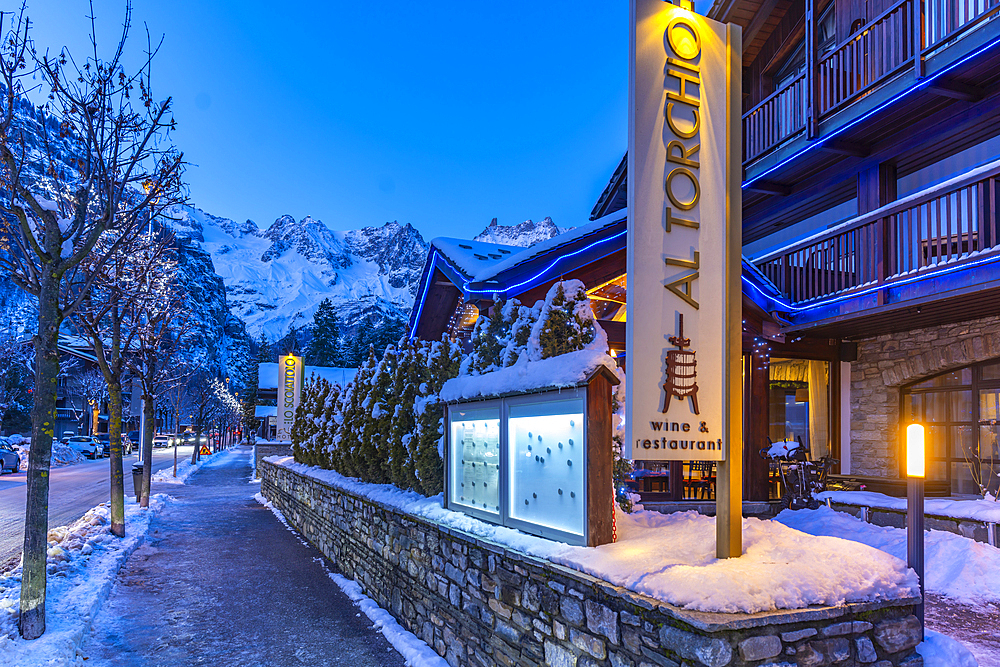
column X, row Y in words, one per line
column 83, row 559
column 672, row 557
column 185, row 469
column 955, row 566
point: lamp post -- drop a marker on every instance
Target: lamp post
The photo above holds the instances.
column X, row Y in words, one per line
column 915, row 472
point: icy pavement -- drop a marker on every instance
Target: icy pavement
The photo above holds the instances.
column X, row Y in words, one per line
column 221, row 582
column 973, row 625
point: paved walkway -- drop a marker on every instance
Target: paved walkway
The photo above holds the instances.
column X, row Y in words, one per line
column 221, row 582
column 974, row 626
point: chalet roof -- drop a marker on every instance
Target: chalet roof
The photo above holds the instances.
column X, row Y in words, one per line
column 555, row 257
column 472, row 257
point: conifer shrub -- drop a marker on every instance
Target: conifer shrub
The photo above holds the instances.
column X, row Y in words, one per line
column 387, row 426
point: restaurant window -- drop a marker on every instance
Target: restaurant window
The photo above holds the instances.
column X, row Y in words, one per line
column 799, row 396
column 961, row 411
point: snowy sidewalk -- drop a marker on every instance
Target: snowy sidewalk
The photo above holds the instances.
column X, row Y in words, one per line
column 220, row 581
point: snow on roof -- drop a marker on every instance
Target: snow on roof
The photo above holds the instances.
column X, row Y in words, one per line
column 471, row 257
column 265, row 411
column 268, row 374
column 549, row 245
column 566, row 370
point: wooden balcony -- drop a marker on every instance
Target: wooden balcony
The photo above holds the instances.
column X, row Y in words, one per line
column 897, row 41
column 882, row 258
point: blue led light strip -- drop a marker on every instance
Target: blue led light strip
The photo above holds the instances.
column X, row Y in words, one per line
column 922, row 83
column 875, row 288
column 545, row 270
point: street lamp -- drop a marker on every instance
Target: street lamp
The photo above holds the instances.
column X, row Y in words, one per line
column 916, row 465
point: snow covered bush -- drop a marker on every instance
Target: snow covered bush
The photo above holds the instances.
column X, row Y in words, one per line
column 385, row 427
column 565, row 323
column 388, row 425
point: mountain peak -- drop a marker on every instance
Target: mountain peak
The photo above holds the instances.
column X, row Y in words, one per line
column 523, row 234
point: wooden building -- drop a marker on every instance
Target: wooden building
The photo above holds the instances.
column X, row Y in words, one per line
column 870, row 229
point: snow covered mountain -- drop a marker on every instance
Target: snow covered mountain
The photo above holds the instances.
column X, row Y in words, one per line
column 523, row 234
column 275, row 278
column 242, row 280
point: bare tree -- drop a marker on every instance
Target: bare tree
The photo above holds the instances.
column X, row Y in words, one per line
column 160, row 321
column 109, row 316
column 15, row 374
column 203, row 405
column 102, row 138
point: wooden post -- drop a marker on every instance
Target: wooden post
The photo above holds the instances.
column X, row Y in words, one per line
column 729, row 484
column 600, row 459
column 812, row 84
column 918, row 39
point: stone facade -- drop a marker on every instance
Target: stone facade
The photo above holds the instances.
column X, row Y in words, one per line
column 888, row 362
column 479, row 604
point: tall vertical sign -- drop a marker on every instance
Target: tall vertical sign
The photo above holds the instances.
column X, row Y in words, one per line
column 290, row 374
column 684, row 326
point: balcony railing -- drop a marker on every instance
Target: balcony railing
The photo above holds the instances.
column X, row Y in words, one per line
column 946, row 224
column 895, row 41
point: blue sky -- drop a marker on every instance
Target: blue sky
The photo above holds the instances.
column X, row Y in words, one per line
column 440, row 114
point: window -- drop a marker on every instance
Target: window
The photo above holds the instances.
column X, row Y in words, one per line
column 961, row 411
column 800, row 404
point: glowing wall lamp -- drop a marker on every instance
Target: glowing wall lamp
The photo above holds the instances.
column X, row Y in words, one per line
column 916, row 467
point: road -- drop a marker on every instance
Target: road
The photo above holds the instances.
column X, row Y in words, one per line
column 72, row 491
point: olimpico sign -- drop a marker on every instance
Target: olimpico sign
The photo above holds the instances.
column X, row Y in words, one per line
column 290, row 374
column 683, row 260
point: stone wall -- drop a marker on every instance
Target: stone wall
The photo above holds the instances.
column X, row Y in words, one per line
column 980, row 531
column 888, row 362
column 479, row 604
column 265, row 450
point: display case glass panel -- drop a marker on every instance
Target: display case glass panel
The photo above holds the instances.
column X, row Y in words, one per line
column 474, row 477
column 547, row 476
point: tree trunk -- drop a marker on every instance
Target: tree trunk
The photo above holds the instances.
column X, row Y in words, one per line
column 195, row 455
column 117, row 474
column 43, row 424
column 149, row 428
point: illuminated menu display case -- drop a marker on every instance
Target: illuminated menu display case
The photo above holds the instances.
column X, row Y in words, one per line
column 538, row 462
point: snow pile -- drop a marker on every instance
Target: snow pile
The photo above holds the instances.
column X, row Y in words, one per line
column 987, row 511
column 955, row 566
column 184, row 470
column 942, row 651
column 62, row 454
column 672, row 557
column 566, row 370
column 83, row 560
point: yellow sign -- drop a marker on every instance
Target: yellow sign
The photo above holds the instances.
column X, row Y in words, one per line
column 204, row 451
column 290, row 373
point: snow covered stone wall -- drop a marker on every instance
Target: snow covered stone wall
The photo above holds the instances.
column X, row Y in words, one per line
column 481, row 604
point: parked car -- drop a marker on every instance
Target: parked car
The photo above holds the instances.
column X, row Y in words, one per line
column 133, row 437
column 9, row 459
column 67, row 435
column 105, row 440
column 86, row 445
column 162, row 440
